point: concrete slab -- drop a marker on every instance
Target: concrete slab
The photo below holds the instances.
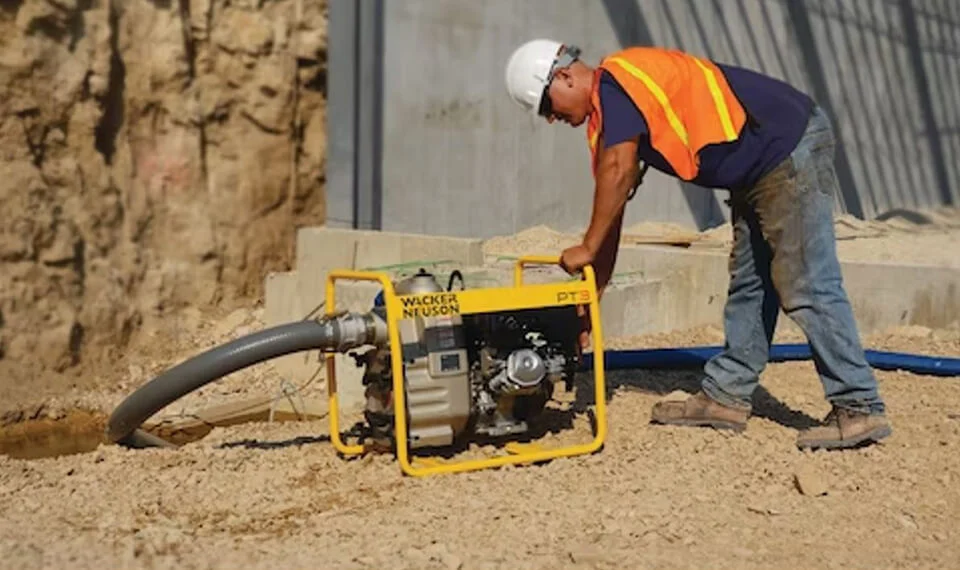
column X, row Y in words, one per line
column 631, row 309
column 652, row 262
column 282, row 305
column 693, row 290
column 657, row 289
column 323, row 248
column 888, row 295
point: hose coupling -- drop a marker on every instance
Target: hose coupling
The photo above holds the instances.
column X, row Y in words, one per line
column 352, row 330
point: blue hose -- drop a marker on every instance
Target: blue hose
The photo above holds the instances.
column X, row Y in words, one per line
column 698, row 356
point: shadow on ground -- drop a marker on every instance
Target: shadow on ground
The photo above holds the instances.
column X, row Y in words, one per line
column 662, row 382
column 555, row 421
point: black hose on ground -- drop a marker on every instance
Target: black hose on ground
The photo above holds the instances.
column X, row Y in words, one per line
column 180, row 380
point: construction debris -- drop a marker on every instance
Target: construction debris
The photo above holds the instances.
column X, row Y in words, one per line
column 810, row 481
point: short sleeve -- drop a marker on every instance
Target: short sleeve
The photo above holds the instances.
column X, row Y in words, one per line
column 621, row 119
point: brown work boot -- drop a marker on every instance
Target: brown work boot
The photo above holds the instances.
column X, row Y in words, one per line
column 700, row 410
column 844, row 429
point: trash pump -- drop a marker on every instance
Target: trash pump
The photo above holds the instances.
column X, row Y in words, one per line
column 440, row 366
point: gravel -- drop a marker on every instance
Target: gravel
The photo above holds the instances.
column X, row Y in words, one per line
column 277, row 495
column 264, row 495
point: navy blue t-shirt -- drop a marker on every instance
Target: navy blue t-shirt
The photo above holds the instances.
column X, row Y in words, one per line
column 779, row 116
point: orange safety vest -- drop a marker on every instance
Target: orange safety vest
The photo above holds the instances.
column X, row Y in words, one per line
column 686, row 101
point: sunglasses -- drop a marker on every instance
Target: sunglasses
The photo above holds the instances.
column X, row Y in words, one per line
column 570, row 54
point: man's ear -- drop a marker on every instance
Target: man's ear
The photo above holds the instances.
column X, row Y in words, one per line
column 563, row 74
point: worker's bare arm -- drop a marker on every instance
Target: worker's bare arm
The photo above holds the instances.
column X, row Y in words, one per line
column 617, row 171
column 616, row 175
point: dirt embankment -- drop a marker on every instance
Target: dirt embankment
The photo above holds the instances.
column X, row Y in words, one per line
column 142, row 145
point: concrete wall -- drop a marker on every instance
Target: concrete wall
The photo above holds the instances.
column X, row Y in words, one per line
column 429, row 141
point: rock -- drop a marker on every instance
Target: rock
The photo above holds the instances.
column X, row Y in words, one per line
column 907, row 521
column 587, row 555
column 809, row 481
column 451, row 561
column 154, row 57
column 232, row 321
column 54, row 347
column 315, row 139
column 764, row 510
column 55, row 412
column 199, row 16
column 311, row 44
column 243, row 31
column 268, row 97
column 416, row 555
column 38, row 15
column 676, row 396
column 64, row 246
column 67, row 5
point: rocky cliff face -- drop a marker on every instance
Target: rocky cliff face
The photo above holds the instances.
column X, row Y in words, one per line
column 154, row 154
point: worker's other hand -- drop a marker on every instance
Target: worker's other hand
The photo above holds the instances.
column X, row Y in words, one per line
column 586, row 327
column 575, row 258
column 572, row 260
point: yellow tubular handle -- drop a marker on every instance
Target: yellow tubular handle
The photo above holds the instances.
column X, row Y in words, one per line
column 526, row 260
column 394, row 311
column 531, row 260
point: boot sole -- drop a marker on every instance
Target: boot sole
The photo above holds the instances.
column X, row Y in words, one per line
column 716, row 424
column 868, row 438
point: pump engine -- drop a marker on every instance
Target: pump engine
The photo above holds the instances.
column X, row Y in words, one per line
column 485, row 374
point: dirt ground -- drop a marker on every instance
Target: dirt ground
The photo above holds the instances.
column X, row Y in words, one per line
column 266, row 495
column 277, row 495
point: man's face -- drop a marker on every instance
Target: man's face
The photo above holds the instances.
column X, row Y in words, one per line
column 566, row 100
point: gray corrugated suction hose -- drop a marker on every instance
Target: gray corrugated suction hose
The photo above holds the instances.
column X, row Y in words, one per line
column 340, row 334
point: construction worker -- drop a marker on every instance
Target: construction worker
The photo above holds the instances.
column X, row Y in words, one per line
column 724, row 127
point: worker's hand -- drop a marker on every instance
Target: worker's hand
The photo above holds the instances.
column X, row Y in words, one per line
column 575, row 258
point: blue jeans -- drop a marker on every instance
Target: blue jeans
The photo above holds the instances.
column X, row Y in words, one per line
column 784, row 256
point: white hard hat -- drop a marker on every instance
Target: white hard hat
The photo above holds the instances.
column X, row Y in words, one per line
column 530, row 70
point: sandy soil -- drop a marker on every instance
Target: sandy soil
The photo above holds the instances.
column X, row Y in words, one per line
column 277, row 495
column 923, row 238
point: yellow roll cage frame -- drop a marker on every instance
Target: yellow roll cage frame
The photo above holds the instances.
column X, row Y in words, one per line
column 472, row 301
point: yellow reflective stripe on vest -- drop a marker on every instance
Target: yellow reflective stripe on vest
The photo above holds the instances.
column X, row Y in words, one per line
column 722, row 109
column 659, row 95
